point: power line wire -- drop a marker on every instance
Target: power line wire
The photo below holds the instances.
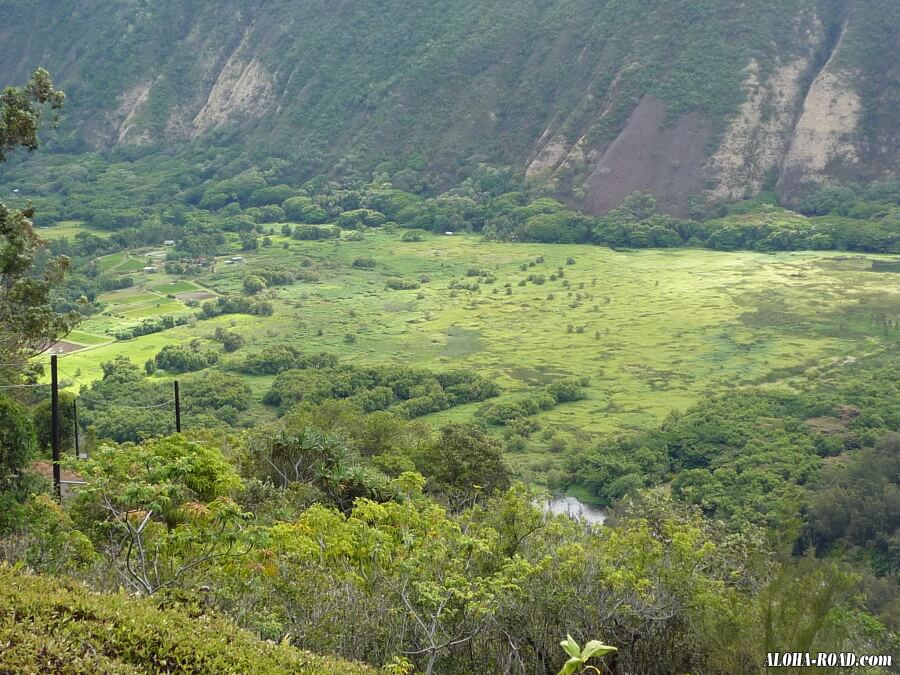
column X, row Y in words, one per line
column 112, row 403
column 122, row 405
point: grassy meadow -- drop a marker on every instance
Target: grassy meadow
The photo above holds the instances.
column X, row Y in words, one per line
column 653, row 329
column 69, row 228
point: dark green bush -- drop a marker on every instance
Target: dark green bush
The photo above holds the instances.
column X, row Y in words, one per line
column 398, row 284
column 17, row 440
column 183, row 358
column 313, row 232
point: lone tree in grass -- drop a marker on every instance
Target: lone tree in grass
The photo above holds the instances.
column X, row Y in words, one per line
column 466, row 465
column 254, row 284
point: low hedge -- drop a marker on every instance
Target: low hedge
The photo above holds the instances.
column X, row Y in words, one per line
column 50, row 625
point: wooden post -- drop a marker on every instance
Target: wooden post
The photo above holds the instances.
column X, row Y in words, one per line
column 177, row 409
column 75, row 423
column 54, row 408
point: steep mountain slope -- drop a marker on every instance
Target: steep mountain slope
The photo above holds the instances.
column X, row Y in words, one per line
column 593, row 98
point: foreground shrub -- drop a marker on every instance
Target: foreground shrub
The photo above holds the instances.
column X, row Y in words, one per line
column 17, row 439
column 51, row 626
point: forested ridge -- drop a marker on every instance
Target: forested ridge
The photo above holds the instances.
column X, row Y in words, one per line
column 389, row 358
column 733, row 97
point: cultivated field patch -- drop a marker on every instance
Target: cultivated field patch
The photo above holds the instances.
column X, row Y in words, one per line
column 175, row 287
column 195, row 295
column 63, row 347
column 84, row 338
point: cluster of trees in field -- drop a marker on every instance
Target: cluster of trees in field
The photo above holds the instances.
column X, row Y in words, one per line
column 125, row 405
column 230, row 340
column 757, row 225
column 314, row 232
column 281, row 276
column 234, row 305
column 514, row 412
column 182, row 358
column 279, row 358
column 150, row 326
column 408, row 392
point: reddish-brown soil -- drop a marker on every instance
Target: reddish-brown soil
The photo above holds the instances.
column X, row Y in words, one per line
column 70, row 481
column 652, row 156
column 195, row 295
column 64, row 347
column 836, row 424
column 45, row 469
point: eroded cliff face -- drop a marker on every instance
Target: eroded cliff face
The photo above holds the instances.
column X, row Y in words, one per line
column 825, row 137
column 754, row 144
column 228, row 85
column 242, row 90
column 591, row 102
column 800, row 125
column 651, row 156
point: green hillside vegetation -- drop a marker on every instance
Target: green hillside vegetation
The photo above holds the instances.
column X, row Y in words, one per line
column 427, row 93
column 747, row 456
column 400, row 70
column 60, row 626
column 341, row 560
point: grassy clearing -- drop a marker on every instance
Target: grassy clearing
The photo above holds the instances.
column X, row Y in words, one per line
column 654, row 329
column 128, row 296
column 85, row 365
column 69, row 228
column 132, row 265
column 82, row 338
column 111, row 261
column 175, row 287
column 156, row 308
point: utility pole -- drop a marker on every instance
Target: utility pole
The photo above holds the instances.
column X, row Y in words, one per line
column 54, row 408
column 177, row 409
column 75, row 422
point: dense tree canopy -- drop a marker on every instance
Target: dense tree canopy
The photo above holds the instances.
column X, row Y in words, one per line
column 21, row 109
column 29, row 323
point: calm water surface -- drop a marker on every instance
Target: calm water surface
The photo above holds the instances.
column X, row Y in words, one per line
column 575, row 509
